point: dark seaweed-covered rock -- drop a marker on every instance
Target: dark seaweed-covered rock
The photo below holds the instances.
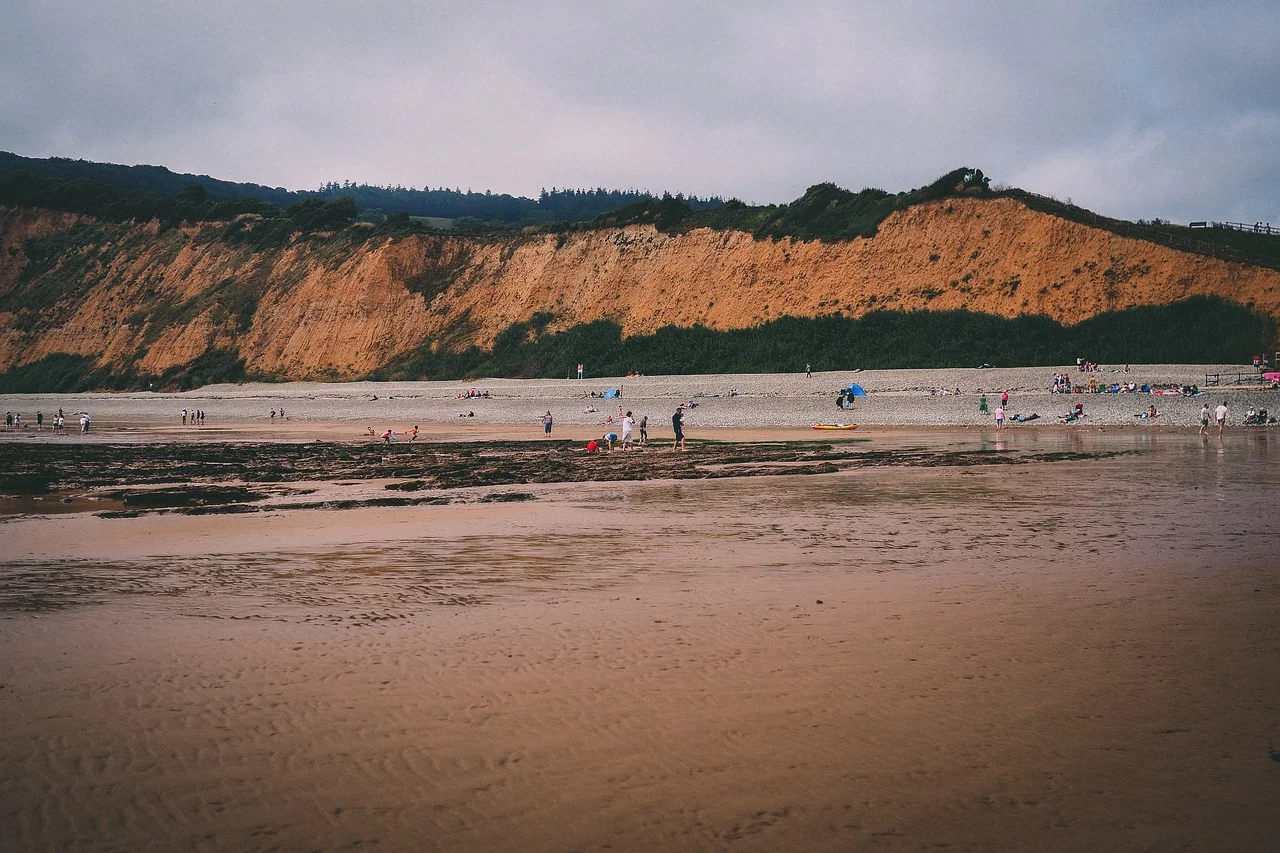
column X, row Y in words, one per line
column 191, row 496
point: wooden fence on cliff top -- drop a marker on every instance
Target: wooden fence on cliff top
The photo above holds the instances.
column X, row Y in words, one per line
column 1150, row 233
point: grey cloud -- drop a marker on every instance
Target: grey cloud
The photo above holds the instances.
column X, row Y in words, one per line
column 1135, row 109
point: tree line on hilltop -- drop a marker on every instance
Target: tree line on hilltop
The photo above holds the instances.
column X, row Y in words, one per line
column 374, row 202
column 825, row 211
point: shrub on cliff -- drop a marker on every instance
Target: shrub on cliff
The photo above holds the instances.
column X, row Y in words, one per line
column 1198, row 330
column 314, row 214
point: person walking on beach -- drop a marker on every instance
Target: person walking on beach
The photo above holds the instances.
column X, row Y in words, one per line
column 628, row 423
column 644, row 430
column 184, row 417
column 808, row 374
column 547, row 421
column 999, row 418
column 1204, row 419
column 677, row 424
column 1004, row 397
column 1221, row 413
column 413, row 433
column 39, row 420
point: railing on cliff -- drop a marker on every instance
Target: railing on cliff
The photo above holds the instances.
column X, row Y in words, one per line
column 1150, row 233
column 1256, row 228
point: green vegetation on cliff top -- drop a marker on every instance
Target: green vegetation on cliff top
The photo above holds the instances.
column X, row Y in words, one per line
column 824, row 212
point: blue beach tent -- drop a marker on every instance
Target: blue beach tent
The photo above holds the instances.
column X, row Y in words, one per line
column 611, row 394
column 855, row 390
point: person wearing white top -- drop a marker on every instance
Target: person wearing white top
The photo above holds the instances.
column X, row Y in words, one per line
column 1221, row 414
column 628, row 422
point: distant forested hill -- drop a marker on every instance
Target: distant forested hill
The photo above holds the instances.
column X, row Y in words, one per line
column 558, row 205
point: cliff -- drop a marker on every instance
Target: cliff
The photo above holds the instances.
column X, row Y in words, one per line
column 144, row 299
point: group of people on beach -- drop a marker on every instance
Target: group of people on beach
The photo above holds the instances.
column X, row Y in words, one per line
column 627, row 425
column 389, row 435
column 196, row 417
column 14, row 421
column 1085, row 366
column 1219, row 415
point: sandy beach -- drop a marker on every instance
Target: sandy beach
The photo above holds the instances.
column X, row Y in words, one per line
column 930, row 638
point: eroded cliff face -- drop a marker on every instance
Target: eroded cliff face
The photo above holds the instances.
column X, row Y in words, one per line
column 339, row 308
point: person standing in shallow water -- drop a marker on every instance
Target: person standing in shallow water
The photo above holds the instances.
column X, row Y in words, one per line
column 1221, row 413
column 1204, row 419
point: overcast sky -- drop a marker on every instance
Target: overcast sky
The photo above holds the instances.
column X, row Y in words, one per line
column 1136, row 109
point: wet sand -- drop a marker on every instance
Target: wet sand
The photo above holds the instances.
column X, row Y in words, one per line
column 1051, row 655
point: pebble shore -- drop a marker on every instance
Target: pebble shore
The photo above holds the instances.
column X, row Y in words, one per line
column 894, row 398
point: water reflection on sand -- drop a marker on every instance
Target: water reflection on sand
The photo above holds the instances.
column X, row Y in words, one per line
column 1071, row 655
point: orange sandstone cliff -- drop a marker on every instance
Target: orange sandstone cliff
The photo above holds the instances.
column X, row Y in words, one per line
column 338, row 308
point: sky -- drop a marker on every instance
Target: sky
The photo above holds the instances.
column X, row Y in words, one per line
column 1164, row 109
